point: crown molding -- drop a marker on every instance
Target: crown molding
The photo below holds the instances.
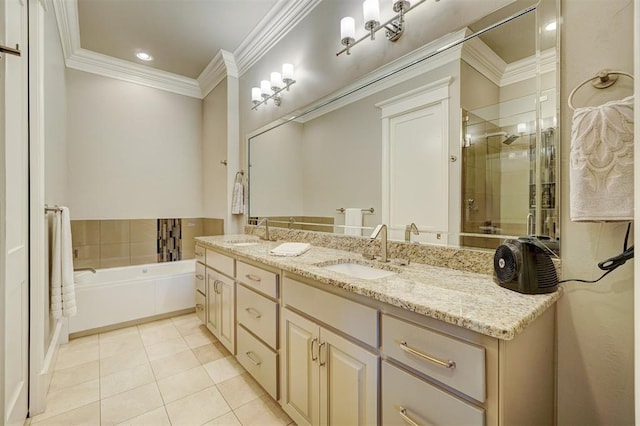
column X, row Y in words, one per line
column 221, row 66
column 284, row 16
column 276, row 24
column 107, row 66
column 481, row 57
column 527, row 68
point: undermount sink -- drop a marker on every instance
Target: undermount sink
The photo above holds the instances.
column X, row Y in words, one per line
column 358, row 270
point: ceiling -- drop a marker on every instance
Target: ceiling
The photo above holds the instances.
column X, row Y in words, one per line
column 183, row 36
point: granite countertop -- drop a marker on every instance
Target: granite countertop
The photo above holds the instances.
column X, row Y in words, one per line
column 466, row 299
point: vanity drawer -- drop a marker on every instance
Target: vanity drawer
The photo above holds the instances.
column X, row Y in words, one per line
column 220, row 262
column 265, row 282
column 259, row 360
column 426, row 351
column 200, row 277
column 200, row 306
column 199, row 253
column 352, row 318
column 422, row 402
column 258, row 314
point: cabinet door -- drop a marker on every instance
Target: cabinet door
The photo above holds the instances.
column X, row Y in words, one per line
column 226, row 307
column 300, row 372
column 348, row 382
column 213, row 314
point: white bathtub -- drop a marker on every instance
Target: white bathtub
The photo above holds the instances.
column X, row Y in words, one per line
column 116, row 295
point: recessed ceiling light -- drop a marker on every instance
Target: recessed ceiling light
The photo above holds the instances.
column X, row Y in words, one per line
column 551, row 26
column 144, row 56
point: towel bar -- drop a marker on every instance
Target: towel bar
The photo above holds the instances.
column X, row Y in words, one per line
column 342, row 210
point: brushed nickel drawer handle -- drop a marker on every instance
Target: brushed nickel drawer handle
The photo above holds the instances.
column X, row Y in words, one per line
column 442, row 363
column 252, row 311
column 253, row 357
column 216, row 286
column 200, row 277
column 313, row 356
column 253, row 277
column 403, row 413
column 322, row 363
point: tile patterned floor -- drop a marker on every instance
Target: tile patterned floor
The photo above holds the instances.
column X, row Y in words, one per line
column 167, row 372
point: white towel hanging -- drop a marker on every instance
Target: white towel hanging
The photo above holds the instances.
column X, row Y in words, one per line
column 353, row 217
column 237, row 200
column 63, row 299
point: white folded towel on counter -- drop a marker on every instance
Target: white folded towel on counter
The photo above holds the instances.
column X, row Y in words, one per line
column 290, row 249
column 601, row 162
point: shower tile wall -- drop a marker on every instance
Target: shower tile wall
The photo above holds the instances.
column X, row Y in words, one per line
column 112, row 243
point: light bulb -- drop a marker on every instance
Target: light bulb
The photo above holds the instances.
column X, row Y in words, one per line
column 347, row 28
column 371, row 11
column 287, row 72
column 256, row 94
column 265, row 88
column 276, row 80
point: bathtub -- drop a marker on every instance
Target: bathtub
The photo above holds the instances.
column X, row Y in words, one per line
column 117, row 295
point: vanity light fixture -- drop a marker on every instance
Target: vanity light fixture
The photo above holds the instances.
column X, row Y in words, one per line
column 371, row 10
column 272, row 88
column 144, row 56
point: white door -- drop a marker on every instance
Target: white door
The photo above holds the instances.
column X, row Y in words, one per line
column 418, row 174
column 13, row 214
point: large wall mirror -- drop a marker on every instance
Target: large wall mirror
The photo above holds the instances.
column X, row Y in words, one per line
column 459, row 138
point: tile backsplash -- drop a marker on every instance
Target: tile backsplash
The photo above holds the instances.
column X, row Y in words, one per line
column 123, row 242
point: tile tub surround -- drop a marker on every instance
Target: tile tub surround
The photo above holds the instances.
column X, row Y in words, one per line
column 467, row 299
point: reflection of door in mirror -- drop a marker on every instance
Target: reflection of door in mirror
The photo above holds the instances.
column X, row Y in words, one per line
column 415, row 141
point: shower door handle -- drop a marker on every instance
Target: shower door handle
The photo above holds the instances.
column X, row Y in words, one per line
column 11, row 50
column 530, row 224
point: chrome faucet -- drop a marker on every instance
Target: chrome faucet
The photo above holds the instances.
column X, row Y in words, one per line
column 84, row 269
column 265, row 220
column 382, row 231
column 408, row 230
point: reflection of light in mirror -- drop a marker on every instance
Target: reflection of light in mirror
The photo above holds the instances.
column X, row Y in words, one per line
column 144, row 56
column 551, row 26
column 522, row 127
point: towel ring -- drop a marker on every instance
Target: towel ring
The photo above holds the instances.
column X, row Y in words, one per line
column 602, row 80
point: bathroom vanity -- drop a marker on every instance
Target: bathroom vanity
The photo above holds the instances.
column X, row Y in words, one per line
column 415, row 344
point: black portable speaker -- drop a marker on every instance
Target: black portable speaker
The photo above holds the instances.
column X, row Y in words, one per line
column 524, row 265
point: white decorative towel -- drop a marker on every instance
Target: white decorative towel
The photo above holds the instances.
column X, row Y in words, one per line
column 353, row 217
column 290, row 249
column 601, row 162
column 237, row 202
column 56, row 268
column 63, row 294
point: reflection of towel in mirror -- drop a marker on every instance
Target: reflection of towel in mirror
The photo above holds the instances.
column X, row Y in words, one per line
column 353, row 217
column 237, row 202
column 601, row 162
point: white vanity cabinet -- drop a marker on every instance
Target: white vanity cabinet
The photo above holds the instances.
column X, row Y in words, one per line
column 257, row 307
column 220, row 298
column 201, row 290
column 326, row 378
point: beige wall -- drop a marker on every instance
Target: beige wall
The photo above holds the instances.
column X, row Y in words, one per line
column 595, row 322
column 55, row 114
column 133, row 151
